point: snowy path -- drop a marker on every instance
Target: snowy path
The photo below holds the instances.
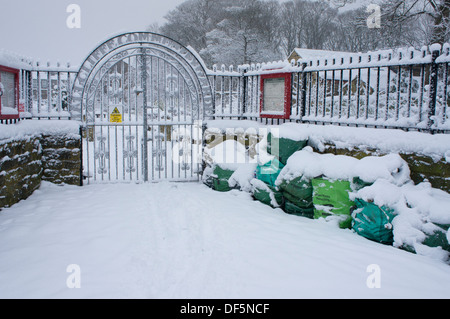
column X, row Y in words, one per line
column 186, row 241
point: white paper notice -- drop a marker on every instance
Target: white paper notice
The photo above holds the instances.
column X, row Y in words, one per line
column 273, row 99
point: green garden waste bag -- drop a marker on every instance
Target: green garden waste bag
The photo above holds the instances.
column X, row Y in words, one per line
column 220, row 179
column 293, row 209
column 373, row 222
column 358, row 183
column 208, row 182
column 268, row 173
column 331, row 198
column 268, row 195
column 286, row 147
column 435, row 238
column 299, row 192
column 438, row 238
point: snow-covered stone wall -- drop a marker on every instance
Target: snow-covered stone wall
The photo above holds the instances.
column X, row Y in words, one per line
column 422, row 167
column 428, row 156
column 61, row 159
column 20, row 170
column 32, row 151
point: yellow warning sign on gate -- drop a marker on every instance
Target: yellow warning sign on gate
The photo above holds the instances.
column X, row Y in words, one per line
column 115, row 116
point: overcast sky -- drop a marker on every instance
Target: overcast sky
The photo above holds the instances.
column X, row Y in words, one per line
column 37, row 28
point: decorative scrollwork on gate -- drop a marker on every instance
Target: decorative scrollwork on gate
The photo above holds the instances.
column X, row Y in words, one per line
column 126, row 45
column 130, row 154
column 102, row 155
column 159, row 152
column 134, row 84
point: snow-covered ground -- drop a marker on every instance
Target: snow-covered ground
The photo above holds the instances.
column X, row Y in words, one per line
column 183, row 240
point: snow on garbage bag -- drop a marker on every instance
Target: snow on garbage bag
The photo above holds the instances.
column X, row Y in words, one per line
column 373, row 222
column 437, row 237
column 293, row 209
column 431, row 238
column 268, row 172
column 283, row 148
column 331, row 198
column 299, row 192
column 206, row 176
column 266, row 194
column 242, row 177
column 220, row 178
column 422, row 216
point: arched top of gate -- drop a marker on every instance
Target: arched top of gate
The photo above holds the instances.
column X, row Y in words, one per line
column 135, row 40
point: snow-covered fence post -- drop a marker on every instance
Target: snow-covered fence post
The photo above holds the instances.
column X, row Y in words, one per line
column 214, row 81
column 244, row 92
column 82, row 131
column 204, row 145
column 29, row 91
column 145, row 110
column 435, row 52
column 304, row 84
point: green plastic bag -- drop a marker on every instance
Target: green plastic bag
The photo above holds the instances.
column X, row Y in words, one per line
column 332, row 198
column 208, row 182
column 268, row 173
column 438, row 238
column 286, row 147
column 299, row 192
column 358, row 184
column 220, row 179
column 221, row 185
column 293, row 209
column 373, row 222
column 269, row 196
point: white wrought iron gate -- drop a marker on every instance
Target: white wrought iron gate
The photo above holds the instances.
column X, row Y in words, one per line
column 142, row 98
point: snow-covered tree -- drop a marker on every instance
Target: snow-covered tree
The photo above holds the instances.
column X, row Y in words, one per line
column 251, row 31
column 429, row 19
column 245, row 35
column 192, row 20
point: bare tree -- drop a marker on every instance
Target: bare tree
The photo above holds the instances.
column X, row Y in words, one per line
column 245, row 35
column 249, row 31
column 291, row 27
column 319, row 22
column 191, row 20
column 154, row 27
column 433, row 16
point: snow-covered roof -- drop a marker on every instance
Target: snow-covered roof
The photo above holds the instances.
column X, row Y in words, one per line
column 19, row 61
column 13, row 60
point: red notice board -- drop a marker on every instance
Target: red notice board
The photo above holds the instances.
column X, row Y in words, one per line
column 9, row 93
column 276, row 96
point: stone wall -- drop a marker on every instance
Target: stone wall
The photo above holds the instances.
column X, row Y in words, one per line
column 433, row 168
column 61, row 160
column 422, row 167
column 20, row 170
column 27, row 160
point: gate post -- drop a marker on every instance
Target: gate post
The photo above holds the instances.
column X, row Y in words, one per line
column 304, row 84
column 144, row 112
column 81, row 132
column 244, row 92
column 433, row 88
